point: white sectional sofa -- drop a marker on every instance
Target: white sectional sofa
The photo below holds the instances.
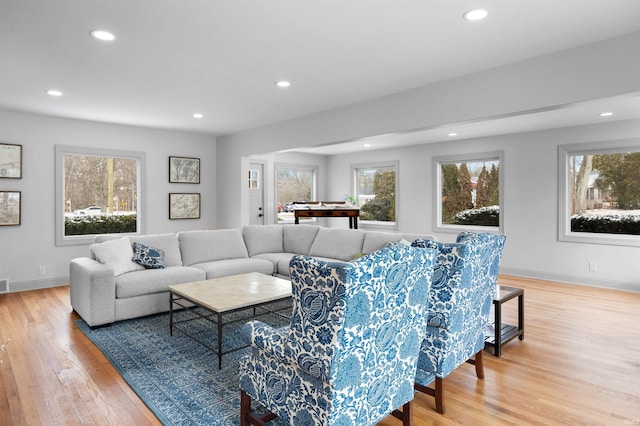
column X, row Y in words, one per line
column 108, row 286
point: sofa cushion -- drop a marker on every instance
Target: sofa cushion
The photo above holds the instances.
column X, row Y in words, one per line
column 263, row 239
column 168, row 243
column 149, row 257
column 223, row 268
column 276, row 258
column 337, row 243
column 206, row 246
column 299, row 238
column 155, row 280
column 117, row 254
column 376, row 240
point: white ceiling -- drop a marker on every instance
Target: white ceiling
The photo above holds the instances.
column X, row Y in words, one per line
column 173, row 58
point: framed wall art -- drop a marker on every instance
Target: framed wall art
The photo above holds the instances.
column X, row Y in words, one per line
column 184, row 170
column 184, row 205
column 10, row 161
column 10, row 208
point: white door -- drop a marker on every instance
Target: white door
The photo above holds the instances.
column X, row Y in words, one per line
column 256, row 195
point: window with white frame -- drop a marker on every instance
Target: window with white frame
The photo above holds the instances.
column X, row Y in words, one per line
column 375, row 188
column 600, row 193
column 294, row 183
column 468, row 192
column 97, row 192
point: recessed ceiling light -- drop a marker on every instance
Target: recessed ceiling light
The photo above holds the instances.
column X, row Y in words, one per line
column 367, row 145
column 103, row 35
column 54, row 93
column 283, row 83
column 475, row 15
column 606, row 114
column 453, row 134
column 198, row 115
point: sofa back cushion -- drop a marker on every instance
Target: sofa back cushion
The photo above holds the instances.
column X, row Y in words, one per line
column 207, row 246
column 263, row 239
column 337, row 243
column 299, row 238
column 168, row 243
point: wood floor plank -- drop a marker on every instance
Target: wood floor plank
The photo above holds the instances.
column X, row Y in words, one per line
column 578, row 364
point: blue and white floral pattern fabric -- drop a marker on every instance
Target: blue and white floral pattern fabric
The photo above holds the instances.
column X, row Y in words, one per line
column 149, row 257
column 464, row 281
column 349, row 356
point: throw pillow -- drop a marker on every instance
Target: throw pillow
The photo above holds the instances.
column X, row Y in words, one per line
column 149, row 257
column 116, row 254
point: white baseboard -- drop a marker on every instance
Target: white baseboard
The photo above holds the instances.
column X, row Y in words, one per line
column 38, row 284
column 573, row 279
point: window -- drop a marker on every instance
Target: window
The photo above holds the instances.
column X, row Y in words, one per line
column 375, row 188
column 600, row 193
column 294, row 183
column 97, row 192
column 469, row 191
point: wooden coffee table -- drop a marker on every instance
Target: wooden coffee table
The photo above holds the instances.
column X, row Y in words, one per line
column 223, row 296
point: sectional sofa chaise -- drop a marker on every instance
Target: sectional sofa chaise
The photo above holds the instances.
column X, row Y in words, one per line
column 109, row 286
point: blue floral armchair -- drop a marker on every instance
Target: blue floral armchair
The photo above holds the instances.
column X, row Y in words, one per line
column 349, row 356
column 464, row 282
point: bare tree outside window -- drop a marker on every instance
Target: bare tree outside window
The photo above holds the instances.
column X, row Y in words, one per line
column 293, row 183
column 97, row 192
column 605, row 193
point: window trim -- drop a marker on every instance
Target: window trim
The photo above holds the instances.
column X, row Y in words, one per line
column 564, row 191
column 61, row 151
column 437, row 190
column 395, row 165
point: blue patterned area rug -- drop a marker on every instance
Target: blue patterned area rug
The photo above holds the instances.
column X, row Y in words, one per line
column 177, row 377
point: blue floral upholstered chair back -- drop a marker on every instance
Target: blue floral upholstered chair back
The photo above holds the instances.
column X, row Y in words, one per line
column 464, row 283
column 350, row 354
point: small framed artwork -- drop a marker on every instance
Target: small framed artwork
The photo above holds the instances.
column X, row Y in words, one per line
column 184, row 170
column 10, row 208
column 184, row 205
column 10, row 161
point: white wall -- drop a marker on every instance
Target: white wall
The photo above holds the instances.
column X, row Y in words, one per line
column 593, row 71
column 24, row 248
column 530, row 206
column 602, row 69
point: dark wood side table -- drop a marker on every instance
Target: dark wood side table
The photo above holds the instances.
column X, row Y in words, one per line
column 504, row 332
column 352, row 214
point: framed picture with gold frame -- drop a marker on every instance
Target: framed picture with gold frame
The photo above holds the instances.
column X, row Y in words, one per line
column 10, row 161
column 10, row 208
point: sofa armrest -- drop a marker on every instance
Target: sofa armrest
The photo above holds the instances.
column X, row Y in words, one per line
column 93, row 291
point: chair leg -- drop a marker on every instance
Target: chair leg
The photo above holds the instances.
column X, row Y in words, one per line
column 439, row 394
column 406, row 415
column 245, row 408
column 248, row 418
column 479, row 365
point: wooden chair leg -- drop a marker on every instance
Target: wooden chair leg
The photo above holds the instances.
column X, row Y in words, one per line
column 479, row 365
column 439, row 394
column 406, row 415
column 245, row 408
column 248, row 418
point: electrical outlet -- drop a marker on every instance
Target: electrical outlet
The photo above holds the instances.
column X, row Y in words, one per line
column 593, row 267
column 42, row 270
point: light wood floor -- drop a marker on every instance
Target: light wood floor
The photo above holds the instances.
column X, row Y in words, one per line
column 579, row 364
